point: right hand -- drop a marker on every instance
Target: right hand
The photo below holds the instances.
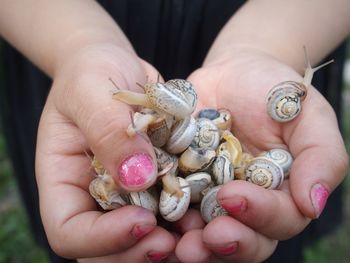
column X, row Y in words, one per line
column 80, row 116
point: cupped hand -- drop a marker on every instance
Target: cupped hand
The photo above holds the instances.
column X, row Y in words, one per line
column 80, row 117
column 258, row 217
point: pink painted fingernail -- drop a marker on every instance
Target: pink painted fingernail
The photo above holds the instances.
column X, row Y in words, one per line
column 139, row 231
column 154, row 256
column 319, row 196
column 225, row 250
column 137, row 170
column 234, row 205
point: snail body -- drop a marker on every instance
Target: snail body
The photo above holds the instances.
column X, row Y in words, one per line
column 196, row 159
column 173, row 207
column 210, row 208
column 264, row 172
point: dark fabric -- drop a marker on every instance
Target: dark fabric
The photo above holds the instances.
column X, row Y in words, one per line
column 174, row 36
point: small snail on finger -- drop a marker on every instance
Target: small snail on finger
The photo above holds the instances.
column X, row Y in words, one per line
column 284, row 99
column 175, row 97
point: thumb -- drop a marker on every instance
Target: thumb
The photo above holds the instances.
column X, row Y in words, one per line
column 104, row 121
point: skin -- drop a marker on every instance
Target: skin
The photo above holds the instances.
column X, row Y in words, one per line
column 87, row 47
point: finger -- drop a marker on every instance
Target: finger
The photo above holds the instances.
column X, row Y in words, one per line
column 321, row 160
column 232, row 241
column 191, row 220
column 103, row 121
column 157, row 246
column 191, row 248
column 272, row 213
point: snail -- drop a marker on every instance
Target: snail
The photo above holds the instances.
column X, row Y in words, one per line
column 198, row 182
column 175, row 97
column 146, row 199
column 210, row 208
column 222, row 118
column 240, row 170
column 264, row 172
column 165, row 162
column 104, row 191
column 171, row 206
column 196, row 159
column 284, row 99
column 222, row 169
column 207, row 134
column 231, row 148
column 282, row 157
column 181, row 135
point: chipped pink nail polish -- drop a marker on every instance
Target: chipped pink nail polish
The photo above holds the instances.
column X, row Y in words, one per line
column 225, row 250
column 234, row 205
column 139, row 231
column 154, row 256
column 319, row 196
column 136, row 170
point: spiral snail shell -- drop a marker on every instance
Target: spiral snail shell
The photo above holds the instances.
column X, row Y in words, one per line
column 222, row 118
column 207, row 134
column 282, row 157
column 210, row 208
column 264, row 172
column 196, row 159
column 145, row 199
column 284, row 99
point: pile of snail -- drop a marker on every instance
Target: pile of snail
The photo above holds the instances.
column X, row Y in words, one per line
column 196, row 155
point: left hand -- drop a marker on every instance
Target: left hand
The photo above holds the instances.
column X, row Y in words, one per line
column 260, row 217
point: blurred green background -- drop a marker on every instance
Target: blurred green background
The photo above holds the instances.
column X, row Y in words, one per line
column 17, row 243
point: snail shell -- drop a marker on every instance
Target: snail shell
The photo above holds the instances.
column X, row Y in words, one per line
column 104, row 191
column 182, row 135
column 264, row 172
column 145, row 199
column 172, row 207
column 222, row 170
column 198, row 182
column 207, row 134
column 222, row 118
column 158, row 132
column 210, row 208
column 282, row 157
column 176, row 97
column 165, row 162
column 196, row 159
column 284, row 100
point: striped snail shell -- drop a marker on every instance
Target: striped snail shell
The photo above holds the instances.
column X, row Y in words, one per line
column 264, row 172
column 158, row 132
column 210, row 208
column 198, row 182
column 146, row 199
column 182, row 135
column 196, row 159
column 173, row 207
column 165, row 162
column 207, row 134
column 105, row 192
column 284, row 100
column 222, row 169
column 176, row 97
column 283, row 157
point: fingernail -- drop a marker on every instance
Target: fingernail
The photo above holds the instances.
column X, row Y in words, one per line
column 319, row 196
column 225, row 250
column 137, row 170
column 234, row 205
column 154, row 256
column 139, row 231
